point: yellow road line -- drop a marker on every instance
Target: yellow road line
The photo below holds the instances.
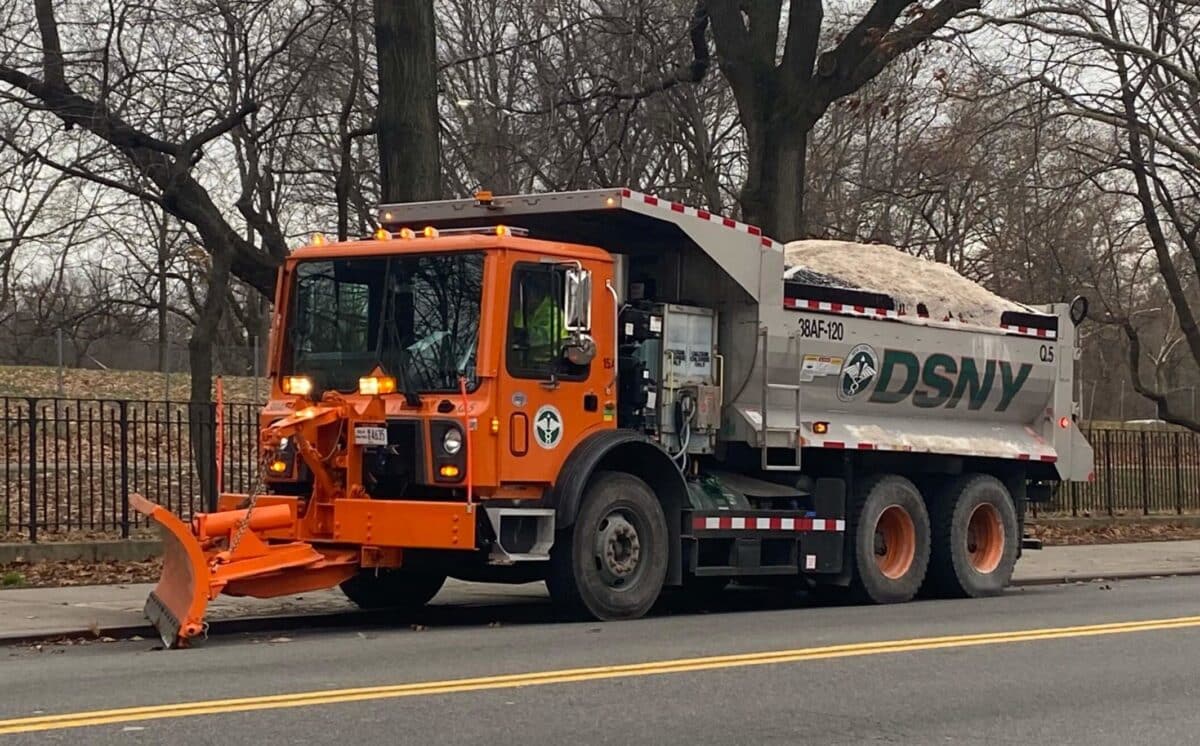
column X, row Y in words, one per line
column 563, row 676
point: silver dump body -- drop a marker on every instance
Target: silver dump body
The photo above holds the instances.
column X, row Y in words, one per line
column 803, row 370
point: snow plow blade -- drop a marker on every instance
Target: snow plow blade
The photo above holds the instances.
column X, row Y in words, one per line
column 177, row 604
column 199, row 565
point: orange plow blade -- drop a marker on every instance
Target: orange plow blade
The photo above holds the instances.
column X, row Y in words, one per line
column 198, row 568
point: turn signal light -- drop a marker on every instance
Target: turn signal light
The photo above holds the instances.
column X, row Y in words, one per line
column 494, row 426
column 278, row 466
column 296, row 385
column 449, row 470
column 820, row 428
column 376, row 385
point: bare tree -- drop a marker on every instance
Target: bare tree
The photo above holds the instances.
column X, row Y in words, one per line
column 771, row 54
column 1132, row 66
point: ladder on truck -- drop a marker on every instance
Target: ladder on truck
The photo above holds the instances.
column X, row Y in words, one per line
column 792, row 431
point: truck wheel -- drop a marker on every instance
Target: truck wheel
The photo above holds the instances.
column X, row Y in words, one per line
column 975, row 539
column 392, row 589
column 612, row 563
column 891, row 540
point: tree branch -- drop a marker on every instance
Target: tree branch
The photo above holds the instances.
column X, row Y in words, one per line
column 691, row 72
column 216, row 129
column 1161, row 402
column 867, row 50
column 52, row 56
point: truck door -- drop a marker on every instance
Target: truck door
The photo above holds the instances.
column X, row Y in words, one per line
column 551, row 402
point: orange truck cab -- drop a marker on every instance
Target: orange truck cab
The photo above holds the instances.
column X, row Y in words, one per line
column 614, row 393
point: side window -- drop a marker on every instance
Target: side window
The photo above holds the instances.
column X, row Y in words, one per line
column 535, row 325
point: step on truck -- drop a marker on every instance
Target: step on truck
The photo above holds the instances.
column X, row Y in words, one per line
column 617, row 394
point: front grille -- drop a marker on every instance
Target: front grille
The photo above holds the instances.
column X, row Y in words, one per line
column 393, row 471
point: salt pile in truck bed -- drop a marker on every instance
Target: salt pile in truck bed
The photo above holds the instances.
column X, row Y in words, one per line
column 911, row 281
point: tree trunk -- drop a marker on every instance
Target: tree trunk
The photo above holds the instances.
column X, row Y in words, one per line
column 409, row 142
column 161, row 268
column 201, row 420
column 773, row 195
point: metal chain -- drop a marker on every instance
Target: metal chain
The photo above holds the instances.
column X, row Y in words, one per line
column 260, row 486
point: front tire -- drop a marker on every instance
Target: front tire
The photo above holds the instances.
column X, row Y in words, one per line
column 976, row 537
column 612, row 563
column 891, row 540
column 397, row 589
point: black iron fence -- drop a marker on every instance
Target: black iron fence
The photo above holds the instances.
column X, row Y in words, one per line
column 1138, row 472
column 69, row 465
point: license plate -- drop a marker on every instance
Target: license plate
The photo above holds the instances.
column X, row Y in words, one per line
column 370, row 435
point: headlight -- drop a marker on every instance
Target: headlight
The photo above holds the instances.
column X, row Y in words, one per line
column 296, row 385
column 452, row 441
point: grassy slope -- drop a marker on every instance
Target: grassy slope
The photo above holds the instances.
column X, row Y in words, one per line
column 20, row 381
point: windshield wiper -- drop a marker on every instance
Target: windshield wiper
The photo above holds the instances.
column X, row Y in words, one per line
column 411, row 397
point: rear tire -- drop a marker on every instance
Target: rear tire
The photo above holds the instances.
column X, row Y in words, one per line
column 398, row 589
column 612, row 563
column 976, row 538
column 890, row 545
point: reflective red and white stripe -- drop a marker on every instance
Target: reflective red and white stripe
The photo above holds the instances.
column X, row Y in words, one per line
column 842, row 308
column 1049, row 458
column 1030, row 331
column 679, row 207
column 765, row 523
column 849, row 309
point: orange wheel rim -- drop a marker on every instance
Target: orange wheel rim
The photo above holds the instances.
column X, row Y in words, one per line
column 895, row 542
column 985, row 538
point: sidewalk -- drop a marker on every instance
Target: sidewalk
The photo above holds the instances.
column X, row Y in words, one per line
column 91, row 610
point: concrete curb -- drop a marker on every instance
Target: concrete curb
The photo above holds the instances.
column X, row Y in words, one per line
column 120, row 550
column 335, row 619
column 1139, row 575
column 314, row 620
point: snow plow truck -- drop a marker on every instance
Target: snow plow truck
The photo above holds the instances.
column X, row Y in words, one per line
column 615, row 394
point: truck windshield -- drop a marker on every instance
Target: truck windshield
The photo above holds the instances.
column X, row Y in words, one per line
column 417, row 317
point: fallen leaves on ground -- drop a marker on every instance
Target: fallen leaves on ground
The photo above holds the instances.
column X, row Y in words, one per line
column 59, row 574
column 84, row 383
column 1056, row 534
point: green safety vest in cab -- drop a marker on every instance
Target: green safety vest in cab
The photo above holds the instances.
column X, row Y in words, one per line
column 540, row 333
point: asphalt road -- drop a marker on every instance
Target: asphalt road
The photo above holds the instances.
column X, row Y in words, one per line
column 1079, row 664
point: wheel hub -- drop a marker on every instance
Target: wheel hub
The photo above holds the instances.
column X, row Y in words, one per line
column 895, row 542
column 985, row 538
column 618, row 549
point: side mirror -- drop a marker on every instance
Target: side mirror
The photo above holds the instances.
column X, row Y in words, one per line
column 1078, row 310
column 580, row 349
column 577, row 300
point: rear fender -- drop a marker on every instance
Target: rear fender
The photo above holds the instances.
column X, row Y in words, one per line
column 633, row 453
